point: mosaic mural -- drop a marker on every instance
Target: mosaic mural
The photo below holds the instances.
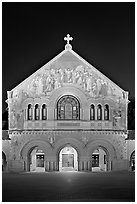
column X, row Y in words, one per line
column 44, row 83
column 63, row 72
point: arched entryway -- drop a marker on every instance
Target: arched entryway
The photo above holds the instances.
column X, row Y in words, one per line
column 68, row 159
column 35, row 149
column 132, row 161
column 4, row 162
column 100, row 159
column 104, row 148
column 36, row 160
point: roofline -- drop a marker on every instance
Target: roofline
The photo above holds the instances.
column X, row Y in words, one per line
column 95, row 69
column 48, row 63
column 78, row 56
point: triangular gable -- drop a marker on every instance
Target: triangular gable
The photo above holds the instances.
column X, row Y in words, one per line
column 63, row 55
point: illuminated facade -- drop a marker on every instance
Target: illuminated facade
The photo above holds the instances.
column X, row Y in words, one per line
column 67, row 116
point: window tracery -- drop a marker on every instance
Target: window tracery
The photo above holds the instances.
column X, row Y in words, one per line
column 68, row 108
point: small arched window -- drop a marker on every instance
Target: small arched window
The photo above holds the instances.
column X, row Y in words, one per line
column 99, row 112
column 37, row 112
column 44, row 112
column 92, row 112
column 106, row 112
column 29, row 112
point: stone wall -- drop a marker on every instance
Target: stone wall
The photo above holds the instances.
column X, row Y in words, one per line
column 51, row 142
column 18, row 110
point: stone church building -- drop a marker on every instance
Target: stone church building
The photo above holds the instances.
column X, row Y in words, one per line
column 67, row 116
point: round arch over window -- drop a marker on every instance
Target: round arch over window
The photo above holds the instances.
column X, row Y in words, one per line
column 68, row 108
column 37, row 112
column 106, row 112
column 92, row 112
column 44, row 112
column 29, row 112
column 99, row 112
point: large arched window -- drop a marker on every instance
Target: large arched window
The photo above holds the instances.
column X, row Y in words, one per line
column 29, row 112
column 106, row 112
column 44, row 112
column 37, row 112
column 68, row 108
column 99, row 112
column 92, row 112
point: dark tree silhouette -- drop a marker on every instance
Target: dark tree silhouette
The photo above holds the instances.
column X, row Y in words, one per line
column 131, row 114
column 5, row 120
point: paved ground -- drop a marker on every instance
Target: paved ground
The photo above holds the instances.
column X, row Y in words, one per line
column 68, row 186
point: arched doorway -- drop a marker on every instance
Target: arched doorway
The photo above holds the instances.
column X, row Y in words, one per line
column 68, row 159
column 4, row 162
column 132, row 161
column 100, row 160
column 36, row 160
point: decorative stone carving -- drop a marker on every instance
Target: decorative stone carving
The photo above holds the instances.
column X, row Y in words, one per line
column 92, row 84
column 51, row 141
column 118, row 115
column 85, row 140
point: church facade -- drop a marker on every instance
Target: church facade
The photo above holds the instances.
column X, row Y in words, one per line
column 67, row 116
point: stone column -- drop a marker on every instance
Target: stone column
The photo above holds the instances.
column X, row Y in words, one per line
column 40, row 113
column 51, row 166
column 95, row 113
column 89, row 165
column 57, row 166
column 33, row 113
column 79, row 166
column 25, row 115
column 55, row 114
column 82, row 165
column 54, row 166
column 47, row 165
column 102, row 113
column 110, row 112
column 109, row 165
column 81, row 113
column 85, row 165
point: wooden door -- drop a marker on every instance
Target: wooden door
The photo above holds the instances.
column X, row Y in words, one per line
column 67, row 160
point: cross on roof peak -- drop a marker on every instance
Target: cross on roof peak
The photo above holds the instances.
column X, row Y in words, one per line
column 68, row 38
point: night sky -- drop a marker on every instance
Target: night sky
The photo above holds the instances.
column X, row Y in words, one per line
column 33, row 33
